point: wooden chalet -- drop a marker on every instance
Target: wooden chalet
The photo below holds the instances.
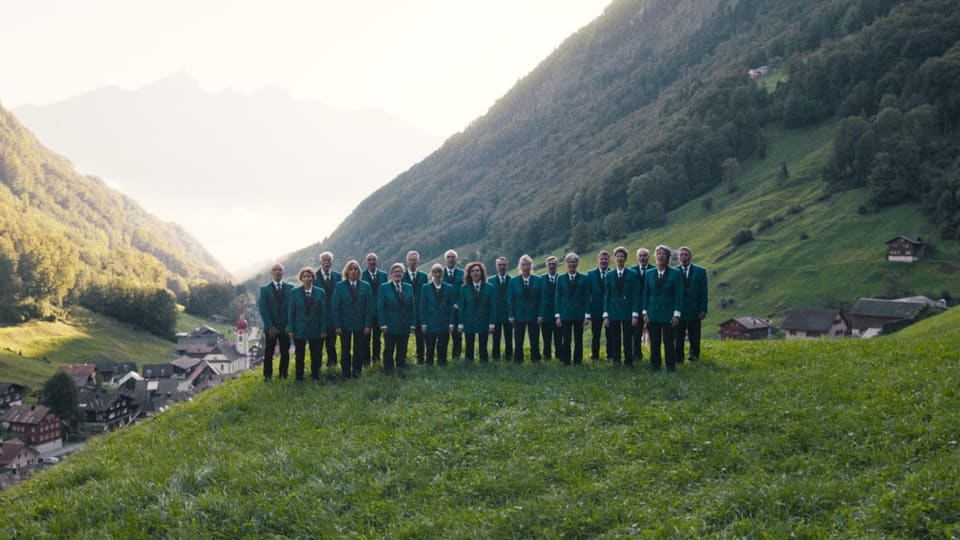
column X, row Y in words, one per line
column 906, row 249
column 11, row 394
column 748, row 328
column 112, row 410
column 37, row 425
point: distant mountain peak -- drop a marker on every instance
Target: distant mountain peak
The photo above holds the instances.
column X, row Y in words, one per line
column 180, row 82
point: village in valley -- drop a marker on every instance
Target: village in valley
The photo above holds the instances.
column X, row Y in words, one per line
column 114, row 395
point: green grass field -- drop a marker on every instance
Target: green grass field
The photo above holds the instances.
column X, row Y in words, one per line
column 847, row 438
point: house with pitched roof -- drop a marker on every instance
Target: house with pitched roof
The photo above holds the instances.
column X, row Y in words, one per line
column 814, row 323
column 745, row 328
column 36, row 425
column 83, row 375
column 885, row 316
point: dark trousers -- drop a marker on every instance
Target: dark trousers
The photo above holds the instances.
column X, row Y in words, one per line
column 284, row 339
column 551, row 338
column 457, row 338
column 596, row 327
column 568, row 330
column 481, row 339
column 330, row 344
column 638, row 343
column 502, row 330
column 662, row 333
column 620, row 342
column 353, row 353
column 533, row 332
column 394, row 351
column 437, row 343
column 300, row 353
column 690, row 329
column 418, row 339
column 374, row 346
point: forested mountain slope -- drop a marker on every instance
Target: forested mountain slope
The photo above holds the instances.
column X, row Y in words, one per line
column 650, row 106
column 67, row 238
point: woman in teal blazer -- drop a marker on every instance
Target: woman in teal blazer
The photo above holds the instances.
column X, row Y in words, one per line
column 436, row 315
column 352, row 313
column 477, row 304
column 307, row 321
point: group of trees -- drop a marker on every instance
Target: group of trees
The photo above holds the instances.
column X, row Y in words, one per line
column 66, row 239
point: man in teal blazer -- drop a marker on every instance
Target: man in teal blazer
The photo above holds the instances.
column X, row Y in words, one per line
column 454, row 275
column 327, row 279
column 643, row 264
column 598, row 289
column 501, row 326
column 524, row 299
column 375, row 277
column 662, row 300
column 397, row 317
column 694, row 280
column 551, row 334
column 572, row 306
column 436, row 315
column 308, row 321
column 272, row 303
column 417, row 280
column 353, row 314
column 621, row 309
column 477, row 307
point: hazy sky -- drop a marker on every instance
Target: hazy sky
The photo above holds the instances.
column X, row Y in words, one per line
column 436, row 63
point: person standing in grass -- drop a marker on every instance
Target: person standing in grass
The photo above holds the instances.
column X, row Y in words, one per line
column 417, row 280
column 572, row 310
column 694, row 281
column 395, row 311
column 307, row 318
column 662, row 300
column 273, row 306
column 327, row 279
column 621, row 309
column 454, row 275
column 352, row 315
column 524, row 296
column 598, row 287
column 477, row 304
column 643, row 264
column 436, row 315
column 501, row 326
column 374, row 277
column 551, row 335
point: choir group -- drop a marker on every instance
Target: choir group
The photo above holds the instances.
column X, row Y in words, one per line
column 463, row 309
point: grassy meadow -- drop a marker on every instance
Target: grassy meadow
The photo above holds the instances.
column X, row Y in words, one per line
column 31, row 352
column 847, row 438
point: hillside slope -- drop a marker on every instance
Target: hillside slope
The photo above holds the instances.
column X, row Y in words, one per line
column 61, row 231
column 817, row 439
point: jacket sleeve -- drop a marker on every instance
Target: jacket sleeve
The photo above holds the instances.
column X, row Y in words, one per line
column 264, row 307
column 370, row 312
column 511, row 302
column 291, row 314
column 703, row 297
column 324, row 312
column 335, row 309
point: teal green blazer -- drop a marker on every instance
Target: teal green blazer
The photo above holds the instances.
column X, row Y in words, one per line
column 622, row 298
column 524, row 303
column 307, row 319
column 477, row 310
column 573, row 297
column 394, row 311
column 661, row 300
column 273, row 307
column 694, row 293
column 436, row 310
column 500, row 290
column 352, row 311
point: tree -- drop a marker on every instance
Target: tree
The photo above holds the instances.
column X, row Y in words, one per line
column 731, row 169
column 579, row 238
column 60, row 394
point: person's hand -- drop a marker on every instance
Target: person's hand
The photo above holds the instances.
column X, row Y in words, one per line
column 675, row 321
column 703, row 315
column 273, row 332
column 339, row 331
column 559, row 322
column 423, row 328
column 635, row 321
column 606, row 322
column 491, row 328
column 366, row 330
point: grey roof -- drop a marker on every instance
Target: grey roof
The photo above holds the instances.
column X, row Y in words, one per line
column 886, row 309
column 810, row 319
column 911, row 239
column 26, row 414
column 750, row 323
